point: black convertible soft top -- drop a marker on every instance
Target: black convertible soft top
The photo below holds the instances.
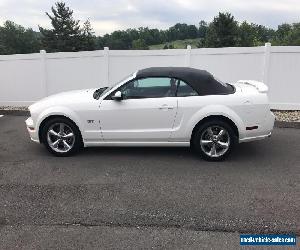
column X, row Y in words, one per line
column 200, row 80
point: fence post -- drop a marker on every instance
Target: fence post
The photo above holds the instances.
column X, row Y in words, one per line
column 266, row 63
column 188, row 56
column 44, row 72
column 106, row 63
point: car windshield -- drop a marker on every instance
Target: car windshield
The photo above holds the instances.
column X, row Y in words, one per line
column 102, row 91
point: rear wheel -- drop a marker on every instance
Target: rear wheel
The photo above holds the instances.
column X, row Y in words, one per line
column 61, row 136
column 214, row 140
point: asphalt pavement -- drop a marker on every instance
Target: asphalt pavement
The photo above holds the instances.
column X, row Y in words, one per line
column 132, row 198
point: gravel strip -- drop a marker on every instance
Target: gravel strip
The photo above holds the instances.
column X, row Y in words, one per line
column 14, row 108
column 287, row 116
column 281, row 115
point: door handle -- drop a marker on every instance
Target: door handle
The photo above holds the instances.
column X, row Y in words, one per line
column 165, row 106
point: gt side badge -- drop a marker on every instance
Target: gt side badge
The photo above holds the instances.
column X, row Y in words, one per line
column 90, row 121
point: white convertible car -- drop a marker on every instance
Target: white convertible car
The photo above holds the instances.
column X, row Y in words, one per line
column 161, row 106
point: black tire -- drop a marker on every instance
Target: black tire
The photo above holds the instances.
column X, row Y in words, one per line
column 70, row 127
column 220, row 151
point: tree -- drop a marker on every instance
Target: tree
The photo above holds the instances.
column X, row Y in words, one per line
column 15, row 39
column 282, row 31
column 150, row 36
column 263, row 34
column 201, row 43
column 88, row 39
column 287, row 34
column 139, row 44
column 246, row 35
column 222, row 31
column 292, row 37
column 181, row 31
column 118, row 40
column 133, row 34
column 65, row 34
column 202, row 29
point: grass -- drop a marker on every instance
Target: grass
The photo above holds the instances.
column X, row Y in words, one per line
column 178, row 44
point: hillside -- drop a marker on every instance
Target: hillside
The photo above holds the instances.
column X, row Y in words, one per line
column 178, row 44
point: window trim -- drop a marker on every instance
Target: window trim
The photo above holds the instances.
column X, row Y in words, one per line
column 187, row 85
column 134, row 79
column 108, row 97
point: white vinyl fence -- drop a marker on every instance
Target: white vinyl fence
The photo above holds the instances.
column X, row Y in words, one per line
column 30, row 77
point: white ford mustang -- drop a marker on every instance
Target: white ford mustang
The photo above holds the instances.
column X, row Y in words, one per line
column 162, row 106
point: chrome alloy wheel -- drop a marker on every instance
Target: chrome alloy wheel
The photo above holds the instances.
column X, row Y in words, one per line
column 60, row 137
column 215, row 141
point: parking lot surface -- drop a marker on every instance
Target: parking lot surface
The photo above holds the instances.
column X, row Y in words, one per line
column 145, row 197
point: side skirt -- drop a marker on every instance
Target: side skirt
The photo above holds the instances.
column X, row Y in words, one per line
column 136, row 144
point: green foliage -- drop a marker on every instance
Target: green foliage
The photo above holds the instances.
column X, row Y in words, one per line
column 15, row 39
column 247, row 35
column 169, row 46
column 88, row 39
column 287, row 34
column 222, row 31
column 181, row 31
column 293, row 37
column 283, row 31
column 177, row 44
column 201, row 43
column 67, row 35
column 139, row 44
column 202, row 29
column 117, row 40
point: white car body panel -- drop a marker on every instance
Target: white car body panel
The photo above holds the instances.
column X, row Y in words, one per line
column 137, row 119
column 167, row 121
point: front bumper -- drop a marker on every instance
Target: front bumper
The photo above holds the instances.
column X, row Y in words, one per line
column 33, row 133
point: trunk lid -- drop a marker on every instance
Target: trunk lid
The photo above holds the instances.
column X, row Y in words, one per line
column 259, row 86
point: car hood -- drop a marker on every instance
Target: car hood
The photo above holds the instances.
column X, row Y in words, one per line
column 63, row 98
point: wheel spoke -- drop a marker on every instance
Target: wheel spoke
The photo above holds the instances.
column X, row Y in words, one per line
column 52, row 132
column 213, row 151
column 66, row 145
column 69, row 135
column 223, row 144
column 55, row 144
column 206, row 142
column 221, row 133
column 61, row 128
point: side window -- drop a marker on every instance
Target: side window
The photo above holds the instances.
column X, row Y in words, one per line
column 151, row 87
column 185, row 90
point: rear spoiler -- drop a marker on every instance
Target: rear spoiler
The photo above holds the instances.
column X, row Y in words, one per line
column 260, row 86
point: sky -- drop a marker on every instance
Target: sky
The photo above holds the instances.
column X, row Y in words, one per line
column 109, row 15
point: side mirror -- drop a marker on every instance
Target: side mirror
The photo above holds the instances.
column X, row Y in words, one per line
column 117, row 96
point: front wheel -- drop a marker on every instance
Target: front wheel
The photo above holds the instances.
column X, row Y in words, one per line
column 214, row 140
column 61, row 136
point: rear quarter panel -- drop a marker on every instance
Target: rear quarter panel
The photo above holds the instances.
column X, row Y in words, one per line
column 244, row 109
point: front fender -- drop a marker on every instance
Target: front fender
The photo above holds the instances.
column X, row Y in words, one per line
column 215, row 110
column 59, row 110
